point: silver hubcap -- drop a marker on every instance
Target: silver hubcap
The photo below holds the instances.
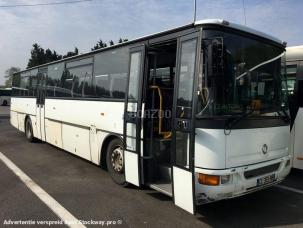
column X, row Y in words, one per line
column 117, row 159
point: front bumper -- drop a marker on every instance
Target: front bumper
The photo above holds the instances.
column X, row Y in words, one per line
column 239, row 184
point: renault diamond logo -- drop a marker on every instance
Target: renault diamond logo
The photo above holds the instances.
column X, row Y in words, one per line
column 264, row 149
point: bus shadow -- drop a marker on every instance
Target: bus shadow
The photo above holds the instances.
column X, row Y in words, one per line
column 159, row 196
column 270, row 207
column 294, row 179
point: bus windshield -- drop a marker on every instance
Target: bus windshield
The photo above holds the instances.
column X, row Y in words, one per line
column 240, row 75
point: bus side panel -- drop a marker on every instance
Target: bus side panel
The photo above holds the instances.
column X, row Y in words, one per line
column 76, row 140
column 53, row 131
column 104, row 115
column 21, row 119
column 14, row 119
column 22, row 107
column 85, row 124
column 298, row 145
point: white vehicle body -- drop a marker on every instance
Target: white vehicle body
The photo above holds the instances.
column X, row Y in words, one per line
column 5, row 96
column 243, row 158
column 294, row 59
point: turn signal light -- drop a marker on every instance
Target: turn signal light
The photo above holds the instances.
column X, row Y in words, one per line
column 208, row 179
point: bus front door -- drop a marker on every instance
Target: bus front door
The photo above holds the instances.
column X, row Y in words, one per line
column 40, row 102
column 133, row 115
column 189, row 47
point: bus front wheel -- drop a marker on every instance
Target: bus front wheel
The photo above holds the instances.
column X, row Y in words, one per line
column 115, row 162
column 5, row 103
column 29, row 130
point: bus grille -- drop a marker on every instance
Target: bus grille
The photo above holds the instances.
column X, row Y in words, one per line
column 261, row 171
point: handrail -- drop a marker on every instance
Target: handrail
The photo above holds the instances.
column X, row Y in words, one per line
column 166, row 134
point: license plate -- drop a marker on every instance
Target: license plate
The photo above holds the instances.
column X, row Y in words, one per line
column 266, row 180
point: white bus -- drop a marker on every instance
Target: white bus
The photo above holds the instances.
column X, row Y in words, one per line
column 5, row 96
column 196, row 112
column 294, row 61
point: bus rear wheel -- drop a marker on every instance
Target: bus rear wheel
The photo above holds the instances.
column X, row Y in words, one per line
column 115, row 162
column 4, row 103
column 29, row 130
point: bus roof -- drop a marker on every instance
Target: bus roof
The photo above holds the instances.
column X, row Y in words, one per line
column 219, row 22
column 238, row 27
column 294, row 53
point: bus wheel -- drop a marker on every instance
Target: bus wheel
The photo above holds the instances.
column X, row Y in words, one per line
column 29, row 130
column 115, row 162
column 4, row 103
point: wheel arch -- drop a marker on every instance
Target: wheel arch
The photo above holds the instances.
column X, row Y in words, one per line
column 104, row 147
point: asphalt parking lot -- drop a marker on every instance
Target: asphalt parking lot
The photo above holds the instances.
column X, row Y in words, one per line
column 4, row 111
column 88, row 193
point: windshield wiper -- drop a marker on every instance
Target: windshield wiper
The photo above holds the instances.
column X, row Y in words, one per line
column 284, row 115
column 231, row 121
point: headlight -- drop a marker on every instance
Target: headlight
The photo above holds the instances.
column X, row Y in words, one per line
column 226, row 179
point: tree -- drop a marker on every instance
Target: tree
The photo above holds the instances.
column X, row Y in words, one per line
column 39, row 56
column 70, row 53
column 111, row 43
column 48, row 56
column 9, row 75
column 56, row 56
column 100, row 44
column 122, row 40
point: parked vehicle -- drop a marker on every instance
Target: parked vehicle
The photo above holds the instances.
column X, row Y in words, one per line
column 5, row 96
column 294, row 61
column 195, row 112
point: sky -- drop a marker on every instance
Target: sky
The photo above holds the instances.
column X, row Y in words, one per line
column 63, row 27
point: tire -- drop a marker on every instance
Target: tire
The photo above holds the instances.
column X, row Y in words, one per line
column 115, row 162
column 28, row 129
column 4, row 103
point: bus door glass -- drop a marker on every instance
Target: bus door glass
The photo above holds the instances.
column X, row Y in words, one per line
column 133, row 115
column 183, row 128
column 40, row 102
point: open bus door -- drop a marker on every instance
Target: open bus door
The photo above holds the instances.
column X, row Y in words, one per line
column 189, row 47
column 133, row 115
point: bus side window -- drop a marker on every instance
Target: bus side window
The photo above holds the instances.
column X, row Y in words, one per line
column 110, row 73
column 16, row 84
column 82, row 81
column 54, row 79
column 24, row 84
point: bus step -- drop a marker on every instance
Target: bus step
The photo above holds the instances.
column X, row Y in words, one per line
column 165, row 188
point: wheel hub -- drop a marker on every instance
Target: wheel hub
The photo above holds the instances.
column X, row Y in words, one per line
column 117, row 159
